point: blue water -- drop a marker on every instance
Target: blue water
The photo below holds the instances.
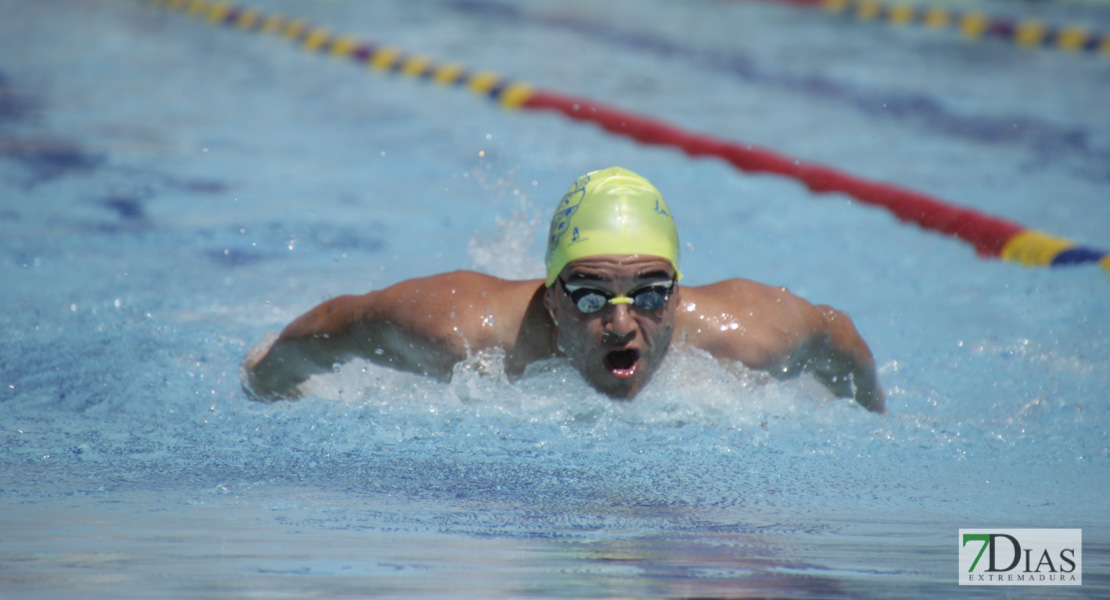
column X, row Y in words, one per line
column 170, row 192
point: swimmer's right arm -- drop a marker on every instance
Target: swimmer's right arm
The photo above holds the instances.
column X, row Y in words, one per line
column 309, row 345
column 400, row 326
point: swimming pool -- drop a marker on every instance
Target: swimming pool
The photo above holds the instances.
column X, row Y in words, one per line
column 171, row 192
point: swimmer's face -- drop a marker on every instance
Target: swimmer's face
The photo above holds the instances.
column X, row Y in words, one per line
column 618, row 347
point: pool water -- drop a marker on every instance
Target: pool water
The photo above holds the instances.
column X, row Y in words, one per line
column 171, row 192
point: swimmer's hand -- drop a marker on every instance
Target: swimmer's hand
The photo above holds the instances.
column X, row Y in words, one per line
column 264, row 375
column 860, row 384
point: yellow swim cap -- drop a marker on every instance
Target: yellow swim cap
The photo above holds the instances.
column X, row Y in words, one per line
column 612, row 211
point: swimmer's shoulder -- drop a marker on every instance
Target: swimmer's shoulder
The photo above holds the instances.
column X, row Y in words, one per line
column 471, row 287
column 489, row 292
column 741, row 319
column 736, row 293
column 476, row 309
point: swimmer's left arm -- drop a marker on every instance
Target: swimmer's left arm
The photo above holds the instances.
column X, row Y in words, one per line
column 771, row 329
column 838, row 356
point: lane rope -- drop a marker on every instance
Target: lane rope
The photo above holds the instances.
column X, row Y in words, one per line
column 913, row 109
column 990, row 236
column 972, row 24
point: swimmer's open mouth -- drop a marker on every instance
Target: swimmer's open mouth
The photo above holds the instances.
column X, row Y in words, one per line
column 622, row 363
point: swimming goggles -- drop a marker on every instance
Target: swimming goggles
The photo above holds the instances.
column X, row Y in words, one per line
column 589, row 300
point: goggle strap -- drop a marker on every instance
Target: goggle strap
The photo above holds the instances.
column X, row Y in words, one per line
column 574, row 287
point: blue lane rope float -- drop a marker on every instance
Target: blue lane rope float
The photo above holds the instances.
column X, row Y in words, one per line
column 991, row 236
column 973, row 24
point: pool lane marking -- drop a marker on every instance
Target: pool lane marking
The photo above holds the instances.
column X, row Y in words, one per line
column 915, row 110
column 973, row 24
column 990, row 236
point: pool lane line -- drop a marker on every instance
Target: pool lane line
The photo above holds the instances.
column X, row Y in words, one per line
column 989, row 235
column 1046, row 141
column 973, row 24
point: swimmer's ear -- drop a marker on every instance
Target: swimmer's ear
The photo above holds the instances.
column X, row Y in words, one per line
column 549, row 299
column 550, row 304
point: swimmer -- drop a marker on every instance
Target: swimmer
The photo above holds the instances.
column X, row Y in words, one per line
column 611, row 304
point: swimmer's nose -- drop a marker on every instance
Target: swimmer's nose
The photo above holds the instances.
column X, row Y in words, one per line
column 621, row 327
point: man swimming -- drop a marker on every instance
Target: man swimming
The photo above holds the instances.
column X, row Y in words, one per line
column 611, row 305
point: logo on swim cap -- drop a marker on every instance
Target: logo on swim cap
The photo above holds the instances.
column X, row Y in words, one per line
column 612, row 211
column 568, row 206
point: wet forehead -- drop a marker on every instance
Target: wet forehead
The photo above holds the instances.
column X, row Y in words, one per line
column 626, row 269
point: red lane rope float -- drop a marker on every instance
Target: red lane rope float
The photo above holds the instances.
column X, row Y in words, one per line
column 987, row 234
column 1030, row 33
column 990, row 236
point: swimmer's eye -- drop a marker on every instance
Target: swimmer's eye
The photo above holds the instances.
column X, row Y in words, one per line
column 589, row 300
